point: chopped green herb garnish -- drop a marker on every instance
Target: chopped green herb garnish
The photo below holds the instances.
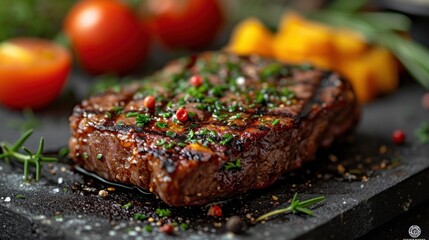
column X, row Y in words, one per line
column 275, row 122
column 85, row 155
column 161, row 124
column 210, row 140
column 191, row 135
column 191, row 114
column 170, row 134
column 227, row 137
column 160, row 142
column 220, row 117
column 163, row 212
column 117, row 109
column 127, row 205
column 260, row 98
column 236, row 116
column 272, row 70
column 19, row 196
column 201, row 107
column 233, row 165
column 288, row 93
column 142, row 119
column 169, row 145
column 422, row 132
column 181, row 144
column 132, row 114
column 148, row 228
column 99, row 156
column 184, row 226
column 295, row 206
column 139, row 216
column 120, row 123
column 108, row 115
column 166, row 114
column 64, row 151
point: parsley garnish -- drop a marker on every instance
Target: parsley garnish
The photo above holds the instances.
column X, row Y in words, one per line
column 169, row 145
column 148, row 228
column 117, row 109
column 227, row 137
column 19, row 196
column 131, row 114
column 160, row 142
column 166, row 114
column 170, row 134
column 163, row 212
column 275, row 122
column 422, row 132
column 191, row 135
column 139, row 216
column 161, row 124
column 184, row 226
column 127, row 205
column 142, row 119
column 233, row 165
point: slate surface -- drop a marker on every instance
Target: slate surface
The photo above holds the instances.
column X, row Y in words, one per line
column 365, row 183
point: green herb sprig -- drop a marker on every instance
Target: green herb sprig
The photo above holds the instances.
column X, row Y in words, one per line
column 422, row 132
column 26, row 157
column 295, row 207
column 233, row 165
column 163, row 212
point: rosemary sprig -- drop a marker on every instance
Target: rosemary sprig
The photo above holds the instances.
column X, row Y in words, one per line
column 26, row 157
column 295, row 207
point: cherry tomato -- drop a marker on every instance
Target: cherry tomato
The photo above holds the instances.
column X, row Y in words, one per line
column 182, row 115
column 106, row 36
column 167, row 229
column 149, row 102
column 184, row 23
column 32, row 72
column 196, row 80
column 398, row 137
column 215, row 211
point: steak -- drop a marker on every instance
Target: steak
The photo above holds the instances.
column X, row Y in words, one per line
column 250, row 119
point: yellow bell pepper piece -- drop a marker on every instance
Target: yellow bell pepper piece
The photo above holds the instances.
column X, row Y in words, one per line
column 251, row 37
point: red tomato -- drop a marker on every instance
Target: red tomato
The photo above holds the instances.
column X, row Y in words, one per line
column 182, row 115
column 106, row 36
column 32, row 72
column 149, row 102
column 398, row 137
column 184, row 23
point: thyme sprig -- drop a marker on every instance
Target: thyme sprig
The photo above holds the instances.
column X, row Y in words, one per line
column 25, row 157
column 295, row 207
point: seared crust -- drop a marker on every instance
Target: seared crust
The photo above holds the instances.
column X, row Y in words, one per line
column 276, row 117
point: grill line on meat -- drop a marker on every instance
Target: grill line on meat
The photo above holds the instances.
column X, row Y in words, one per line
column 263, row 116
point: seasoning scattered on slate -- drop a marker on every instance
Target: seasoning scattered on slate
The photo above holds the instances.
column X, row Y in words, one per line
column 103, row 193
column 234, row 224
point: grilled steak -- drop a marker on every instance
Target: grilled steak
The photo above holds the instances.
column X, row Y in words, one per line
column 250, row 119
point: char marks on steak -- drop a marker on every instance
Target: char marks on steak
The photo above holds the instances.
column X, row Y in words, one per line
column 251, row 120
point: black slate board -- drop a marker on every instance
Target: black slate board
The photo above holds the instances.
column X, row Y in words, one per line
column 378, row 183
